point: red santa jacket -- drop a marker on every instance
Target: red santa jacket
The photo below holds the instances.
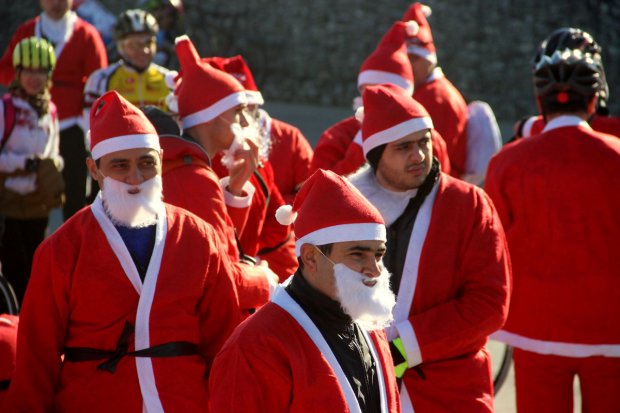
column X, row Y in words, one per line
column 83, row 53
column 448, row 110
column 339, row 149
column 263, row 234
column 454, row 292
column 534, row 125
column 8, row 342
column 277, row 361
column 290, row 156
column 556, row 195
column 83, row 290
column 190, row 183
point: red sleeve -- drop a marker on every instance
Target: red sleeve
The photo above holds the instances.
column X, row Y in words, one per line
column 495, row 187
column 441, row 152
column 41, row 335
column 207, row 201
column 290, row 156
column 332, row 146
column 97, row 57
column 219, row 307
column 353, row 160
column 7, row 73
column 275, row 240
column 459, row 325
column 263, row 375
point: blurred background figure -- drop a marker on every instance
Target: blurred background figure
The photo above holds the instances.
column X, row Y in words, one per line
column 30, row 136
column 169, row 15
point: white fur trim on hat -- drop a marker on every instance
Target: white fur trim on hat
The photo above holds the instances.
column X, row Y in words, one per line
column 254, row 97
column 285, row 215
column 396, row 132
column 121, row 143
column 422, row 52
column 211, row 112
column 343, row 233
column 377, row 77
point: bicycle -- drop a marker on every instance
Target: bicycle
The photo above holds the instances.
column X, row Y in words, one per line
column 8, row 299
column 501, row 359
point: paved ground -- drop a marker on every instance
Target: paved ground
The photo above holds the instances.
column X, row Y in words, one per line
column 312, row 121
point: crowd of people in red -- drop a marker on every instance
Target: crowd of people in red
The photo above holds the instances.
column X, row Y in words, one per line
column 221, row 264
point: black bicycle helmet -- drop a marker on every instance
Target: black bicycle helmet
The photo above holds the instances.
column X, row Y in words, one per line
column 135, row 21
column 570, row 61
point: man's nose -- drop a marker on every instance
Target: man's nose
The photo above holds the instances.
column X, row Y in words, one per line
column 134, row 177
column 374, row 268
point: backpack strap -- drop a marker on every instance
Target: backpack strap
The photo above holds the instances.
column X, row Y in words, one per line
column 9, row 119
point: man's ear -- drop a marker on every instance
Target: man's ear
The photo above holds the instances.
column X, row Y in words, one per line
column 92, row 168
column 309, row 256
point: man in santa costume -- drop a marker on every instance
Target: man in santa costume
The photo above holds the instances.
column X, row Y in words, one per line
column 339, row 148
column 447, row 254
column 79, row 52
column 262, row 235
column 318, row 345
column 129, row 300
column 211, row 107
column 284, row 145
column 557, row 196
column 435, row 92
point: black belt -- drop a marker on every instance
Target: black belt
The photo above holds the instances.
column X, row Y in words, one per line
column 170, row 349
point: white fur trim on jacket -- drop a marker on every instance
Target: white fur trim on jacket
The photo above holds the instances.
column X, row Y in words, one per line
column 237, row 201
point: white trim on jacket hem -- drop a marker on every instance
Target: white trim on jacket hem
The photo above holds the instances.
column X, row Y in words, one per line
column 556, row 348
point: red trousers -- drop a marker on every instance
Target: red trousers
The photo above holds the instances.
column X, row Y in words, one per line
column 545, row 383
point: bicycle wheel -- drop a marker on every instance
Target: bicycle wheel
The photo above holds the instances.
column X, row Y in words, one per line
column 501, row 358
column 8, row 300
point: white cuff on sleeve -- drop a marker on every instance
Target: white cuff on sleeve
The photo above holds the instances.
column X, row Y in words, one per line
column 410, row 342
column 234, row 200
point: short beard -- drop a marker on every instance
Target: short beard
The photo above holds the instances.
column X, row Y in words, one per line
column 133, row 210
column 370, row 307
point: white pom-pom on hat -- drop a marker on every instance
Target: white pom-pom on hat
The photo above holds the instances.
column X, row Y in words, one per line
column 181, row 38
column 359, row 114
column 357, row 102
column 172, row 102
column 285, row 215
column 412, row 28
column 427, row 10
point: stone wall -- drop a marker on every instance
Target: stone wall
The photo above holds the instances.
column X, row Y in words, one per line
column 311, row 51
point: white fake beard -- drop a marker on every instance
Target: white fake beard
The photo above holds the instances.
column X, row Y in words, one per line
column 133, row 210
column 241, row 134
column 370, row 307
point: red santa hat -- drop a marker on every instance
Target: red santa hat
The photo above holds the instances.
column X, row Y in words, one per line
column 389, row 62
column 116, row 124
column 204, row 92
column 238, row 68
column 390, row 114
column 421, row 44
column 329, row 209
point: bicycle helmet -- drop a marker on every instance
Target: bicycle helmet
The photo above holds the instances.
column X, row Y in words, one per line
column 34, row 53
column 557, row 51
column 135, row 21
column 151, row 5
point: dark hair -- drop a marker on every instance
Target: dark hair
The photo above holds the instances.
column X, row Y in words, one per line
column 374, row 156
column 163, row 122
column 326, row 249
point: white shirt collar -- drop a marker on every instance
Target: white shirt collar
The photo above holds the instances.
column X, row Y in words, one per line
column 566, row 120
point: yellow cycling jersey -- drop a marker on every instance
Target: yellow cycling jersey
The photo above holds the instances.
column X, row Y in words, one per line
column 145, row 88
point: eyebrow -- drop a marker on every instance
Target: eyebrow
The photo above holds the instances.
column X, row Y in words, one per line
column 365, row 249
